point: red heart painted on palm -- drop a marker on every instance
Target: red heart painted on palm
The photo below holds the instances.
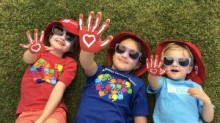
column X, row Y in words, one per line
column 36, row 47
column 154, row 71
column 89, row 39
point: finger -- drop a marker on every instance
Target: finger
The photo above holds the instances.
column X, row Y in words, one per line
column 81, row 26
column 192, row 90
column 104, row 26
column 28, row 33
column 156, row 61
column 97, row 21
column 162, row 72
column 24, row 46
column 36, row 34
column 107, row 41
column 147, row 62
column 42, row 36
column 151, row 60
column 89, row 22
column 160, row 64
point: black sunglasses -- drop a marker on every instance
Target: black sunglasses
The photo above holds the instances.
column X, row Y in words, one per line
column 133, row 54
column 184, row 62
column 57, row 30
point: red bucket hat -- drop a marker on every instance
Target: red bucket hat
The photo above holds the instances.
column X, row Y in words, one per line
column 120, row 37
column 198, row 73
column 70, row 25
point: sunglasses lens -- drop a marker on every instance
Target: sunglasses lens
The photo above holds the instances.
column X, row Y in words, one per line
column 120, row 49
column 133, row 54
column 70, row 37
column 57, row 30
column 168, row 61
column 184, row 62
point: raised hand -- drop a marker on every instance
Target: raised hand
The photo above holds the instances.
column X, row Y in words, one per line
column 35, row 45
column 90, row 37
column 154, row 66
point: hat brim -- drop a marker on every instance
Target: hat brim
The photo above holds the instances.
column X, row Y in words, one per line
column 71, row 26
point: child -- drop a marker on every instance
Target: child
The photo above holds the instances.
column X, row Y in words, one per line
column 179, row 97
column 112, row 94
column 51, row 70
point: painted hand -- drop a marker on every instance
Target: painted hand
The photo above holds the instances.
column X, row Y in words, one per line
column 154, row 66
column 90, row 37
column 35, row 45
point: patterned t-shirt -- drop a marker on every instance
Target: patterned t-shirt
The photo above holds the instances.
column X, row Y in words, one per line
column 112, row 97
column 41, row 77
column 174, row 104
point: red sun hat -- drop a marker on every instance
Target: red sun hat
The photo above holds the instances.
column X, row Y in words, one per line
column 198, row 74
column 120, row 37
column 70, row 25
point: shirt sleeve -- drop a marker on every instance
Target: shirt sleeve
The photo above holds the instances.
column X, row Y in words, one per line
column 69, row 72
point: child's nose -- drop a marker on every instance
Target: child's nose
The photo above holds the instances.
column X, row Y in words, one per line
column 125, row 54
column 63, row 36
column 175, row 63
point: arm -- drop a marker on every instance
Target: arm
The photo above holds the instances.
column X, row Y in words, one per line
column 140, row 119
column 87, row 61
column 53, row 101
column 208, row 110
column 29, row 57
column 155, row 71
column 153, row 81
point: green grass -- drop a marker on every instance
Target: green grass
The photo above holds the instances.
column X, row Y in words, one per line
column 154, row 20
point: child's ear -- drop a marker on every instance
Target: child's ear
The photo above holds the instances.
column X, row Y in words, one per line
column 190, row 69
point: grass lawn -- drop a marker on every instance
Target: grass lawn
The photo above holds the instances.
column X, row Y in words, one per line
column 154, row 20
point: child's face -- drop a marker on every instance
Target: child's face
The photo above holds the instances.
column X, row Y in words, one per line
column 61, row 40
column 126, row 58
column 179, row 68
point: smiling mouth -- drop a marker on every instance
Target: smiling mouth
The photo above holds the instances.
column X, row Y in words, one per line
column 122, row 60
column 60, row 42
column 174, row 70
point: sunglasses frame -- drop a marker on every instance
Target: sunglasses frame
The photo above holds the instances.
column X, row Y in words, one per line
column 74, row 37
column 176, row 59
column 128, row 50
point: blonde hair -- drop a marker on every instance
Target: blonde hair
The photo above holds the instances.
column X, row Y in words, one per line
column 184, row 48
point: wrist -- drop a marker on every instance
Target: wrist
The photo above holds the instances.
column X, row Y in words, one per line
column 207, row 102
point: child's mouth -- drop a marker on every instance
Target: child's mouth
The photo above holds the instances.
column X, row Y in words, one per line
column 174, row 70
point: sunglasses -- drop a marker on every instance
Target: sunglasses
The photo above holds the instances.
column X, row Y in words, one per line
column 57, row 30
column 184, row 62
column 133, row 54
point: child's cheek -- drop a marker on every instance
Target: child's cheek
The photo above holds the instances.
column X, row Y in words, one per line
column 68, row 43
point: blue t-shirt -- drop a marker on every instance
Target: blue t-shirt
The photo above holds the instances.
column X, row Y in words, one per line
column 112, row 97
column 174, row 104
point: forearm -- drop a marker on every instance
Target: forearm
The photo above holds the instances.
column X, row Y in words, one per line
column 208, row 112
column 140, row 119
column 53, row 101
column 87, row 62
column 153, row 81
column 29, row 58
